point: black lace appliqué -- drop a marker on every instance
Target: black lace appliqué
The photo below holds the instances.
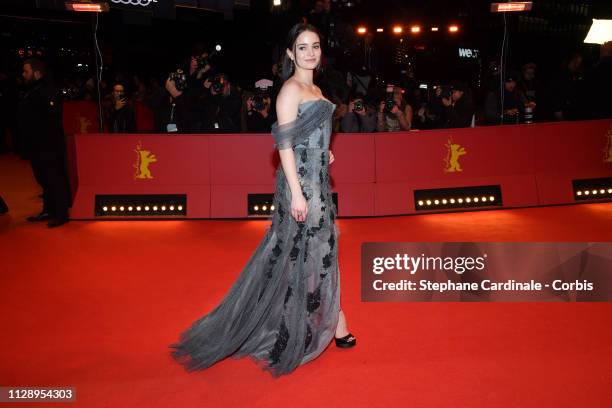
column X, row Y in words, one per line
column 314, row 300
column 281, row 343
column 296, row 240
column 308, row 338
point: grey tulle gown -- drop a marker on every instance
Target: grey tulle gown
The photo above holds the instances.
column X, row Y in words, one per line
column 283, row 309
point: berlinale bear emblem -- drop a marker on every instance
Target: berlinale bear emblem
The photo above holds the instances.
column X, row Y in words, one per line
column 144, row 158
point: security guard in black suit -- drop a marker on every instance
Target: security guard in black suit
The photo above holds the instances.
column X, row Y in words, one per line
column 40, row 123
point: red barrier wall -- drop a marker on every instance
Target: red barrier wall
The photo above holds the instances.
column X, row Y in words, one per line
column 374, row 173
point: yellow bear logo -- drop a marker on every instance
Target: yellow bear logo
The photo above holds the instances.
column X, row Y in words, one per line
column 144, row 158
column 453, row 152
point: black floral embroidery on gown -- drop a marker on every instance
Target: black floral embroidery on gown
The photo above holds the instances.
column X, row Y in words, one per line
column 283, row 309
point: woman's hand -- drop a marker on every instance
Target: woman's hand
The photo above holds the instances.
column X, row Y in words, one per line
column 299, row 207
column 331, row 157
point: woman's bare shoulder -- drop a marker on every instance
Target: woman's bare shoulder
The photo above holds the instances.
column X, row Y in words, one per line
column 287, row 101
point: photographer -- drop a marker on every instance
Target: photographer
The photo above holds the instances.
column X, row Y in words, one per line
column 513, row 107
column 221, row 105
column 174, row 110
column 359, row 118
column 458, row 106
column 394, row 114
column 120, row 116
column 258, row 118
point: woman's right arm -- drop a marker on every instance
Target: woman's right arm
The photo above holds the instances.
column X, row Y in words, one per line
column 287, row 104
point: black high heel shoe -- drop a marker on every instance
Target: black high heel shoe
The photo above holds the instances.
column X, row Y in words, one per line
column 345, row 342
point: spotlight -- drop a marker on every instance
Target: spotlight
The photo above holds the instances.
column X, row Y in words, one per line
column 420, row 202
column 171, row 208
column 436, row 202
column 452, row 201
column 434, row 29
column 460, row 201
column 468, row 200
column 179, row 208
column 138, row 208
column 475, row 199
column 453, row 29
column 397, row 29
column 113, row 208
column 264, row 208
column 444, row 201
column 122, row 208
column 154, row 208
column 163, row 208
column 105, row 208
column 610, row 191
column 256, row 208
column 272, row 208
column 579, row 193
column 415, row 29
column 379, row 30
column 362, row 30
column 587, row 192
column 602, row 191
column 146, row 208
column 428, row 202
column 276, row 3
column 130, row 208
column 594, row 191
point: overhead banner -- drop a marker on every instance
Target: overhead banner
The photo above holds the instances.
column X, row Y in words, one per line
column 486, row 271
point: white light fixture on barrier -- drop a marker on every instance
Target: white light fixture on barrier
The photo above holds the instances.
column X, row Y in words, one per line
column 600, row 32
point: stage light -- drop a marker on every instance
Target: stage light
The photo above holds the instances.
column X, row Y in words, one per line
column 600, row 32
column 362, row 30
column 154, row 208
column 453, row 29
column 86, row 6
column 171, row 208
column 138, row 208
column 379, row 30
column 256, row 208
column 276, row 3
column 130, row 208
column 444, row 201
column 264, row 208
column 434, row 29
column 428, row 202
column 218, row 47
column 113, row 208
column 452, row 201
column 122, row 208
column 397, row 29
column 460, row 200
column 415, row 29
column 179, row 208
column 163, row 208
column 592, row 189
column 511, row 6
column 272, row 208
column 436, row 202
column 475, row 199
column 468, row 200
column 420, row 202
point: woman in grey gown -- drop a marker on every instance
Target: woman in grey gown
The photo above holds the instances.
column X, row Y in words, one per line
column 284, row 308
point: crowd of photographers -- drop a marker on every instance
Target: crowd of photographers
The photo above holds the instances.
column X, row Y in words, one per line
column 201, row 99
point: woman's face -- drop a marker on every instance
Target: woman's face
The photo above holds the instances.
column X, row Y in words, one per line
column 307, row 50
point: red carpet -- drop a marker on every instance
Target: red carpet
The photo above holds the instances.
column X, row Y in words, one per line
column 95, row 305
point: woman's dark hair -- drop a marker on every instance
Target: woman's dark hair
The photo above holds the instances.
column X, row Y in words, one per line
column 288, row 66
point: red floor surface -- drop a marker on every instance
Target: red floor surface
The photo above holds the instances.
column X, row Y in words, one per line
column 95, row 305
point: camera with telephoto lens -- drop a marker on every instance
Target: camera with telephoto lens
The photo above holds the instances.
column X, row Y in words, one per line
column 358, row 105
column 218, row 83
column 389, row 100
column 179, row 78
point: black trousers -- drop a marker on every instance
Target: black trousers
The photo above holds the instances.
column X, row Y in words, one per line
column 50, row 172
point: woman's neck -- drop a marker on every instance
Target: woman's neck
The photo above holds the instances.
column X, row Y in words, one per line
column 303, row 76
